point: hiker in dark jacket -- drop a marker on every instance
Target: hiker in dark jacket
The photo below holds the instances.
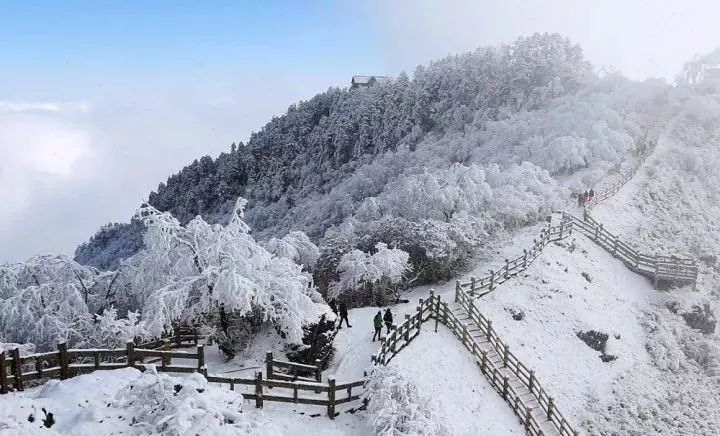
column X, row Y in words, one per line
column 378, row 322
column 343, row 315
column 580, row 199
column 592, row 194
column 388, row 319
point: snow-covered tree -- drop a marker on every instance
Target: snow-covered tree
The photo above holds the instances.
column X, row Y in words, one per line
column 45, row 301
column 187, row 272
column 373, row 276
column 297, row 247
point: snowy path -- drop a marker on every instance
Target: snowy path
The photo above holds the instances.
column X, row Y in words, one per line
column 440, row 367
column 479, row 340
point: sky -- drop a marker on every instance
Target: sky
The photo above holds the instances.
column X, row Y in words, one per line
column 102, row 100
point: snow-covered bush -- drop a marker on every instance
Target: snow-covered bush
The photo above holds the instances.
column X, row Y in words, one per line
column 161, row 404
column 370, row 277
column 396, row 407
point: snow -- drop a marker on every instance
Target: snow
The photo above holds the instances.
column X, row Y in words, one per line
column 89, row 405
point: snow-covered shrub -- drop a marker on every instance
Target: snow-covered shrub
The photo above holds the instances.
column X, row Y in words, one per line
column 370, row 277
column 109, row 331
column 161, row 404
column 396, row 407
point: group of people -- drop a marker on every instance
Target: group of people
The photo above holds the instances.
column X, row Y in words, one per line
column 380, row 319
column 585, row 197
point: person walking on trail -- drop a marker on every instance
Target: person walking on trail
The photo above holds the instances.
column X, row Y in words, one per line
column 388, row 318
column 580, row 199
column 378, row 322
column 592, row 194
column 343, row 315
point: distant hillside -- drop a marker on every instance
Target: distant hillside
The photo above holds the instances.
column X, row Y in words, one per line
column 435, row 164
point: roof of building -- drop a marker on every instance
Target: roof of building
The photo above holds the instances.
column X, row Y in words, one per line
column 364, row 80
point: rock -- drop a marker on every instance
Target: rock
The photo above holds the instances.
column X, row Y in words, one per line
column 594, row 339
column 701, row 318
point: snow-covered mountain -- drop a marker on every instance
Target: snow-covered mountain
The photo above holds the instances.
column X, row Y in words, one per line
column 437, row 164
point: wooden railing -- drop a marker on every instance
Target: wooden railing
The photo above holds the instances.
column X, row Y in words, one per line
column 401, row 335
column 330, row 394
column 492, row 370
column 671, row 269
column 608, row 191
column 283, row 370
column 16, row 371
column 484, row 285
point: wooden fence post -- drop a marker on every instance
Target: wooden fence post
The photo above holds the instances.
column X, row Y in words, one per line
column 492, row 280
column 457, row 289
column 201, row 360
column 464, row 334
column 17, row 368
column 528, row 417
column 505, row 355
column 407, row 330
column 269, row 364
column 39, row 367
column 506, row 383
column 63, row 360
column 318, row 371
column 130, row 349
column 331, row 397
column 532, row 381
column 393, row 330
column 3, row 374
column 258, row 390
column 551, row 404
column 472, row 287
column 657, row 272
column 489, row 331
column 445, row 312
column 420, row 311
column 431, row 300
column 437, row 312
column 167, row 359
column 177, row 338
column 524, row 258
column 483, row 364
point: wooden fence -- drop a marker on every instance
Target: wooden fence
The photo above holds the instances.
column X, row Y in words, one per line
column 484, row 285
column 608, row 191
column 16, row 371
column 283, row 370
column 401, row 335
column 671, row 269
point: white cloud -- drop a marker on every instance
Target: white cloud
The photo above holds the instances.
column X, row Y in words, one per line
column 27, row 106
column 66, row 168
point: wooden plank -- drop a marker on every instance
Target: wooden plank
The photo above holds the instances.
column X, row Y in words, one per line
column 283, row 364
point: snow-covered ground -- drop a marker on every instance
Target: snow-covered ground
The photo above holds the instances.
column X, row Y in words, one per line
column 92, row 405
